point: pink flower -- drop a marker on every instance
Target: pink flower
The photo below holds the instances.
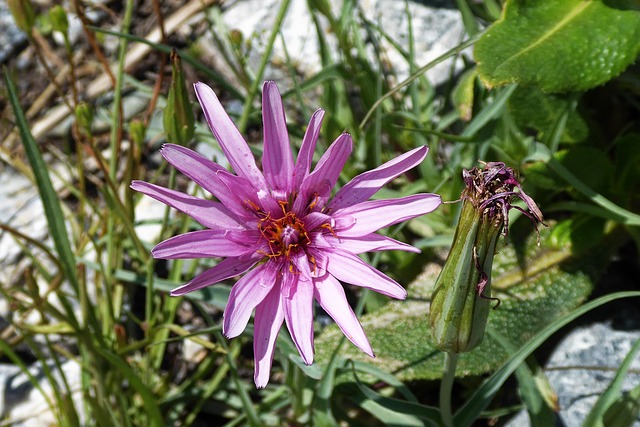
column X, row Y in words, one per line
column 283, row 229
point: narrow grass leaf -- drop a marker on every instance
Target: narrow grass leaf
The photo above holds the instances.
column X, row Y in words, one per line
column 184, row 55
column 7, row 351
column 489, row 112
column 529, row 387
column 402, row 407
column 391, row 412
column 386, row 377
column 628, row 217
column 149, row 401
column 50, row 201
column 419, row 72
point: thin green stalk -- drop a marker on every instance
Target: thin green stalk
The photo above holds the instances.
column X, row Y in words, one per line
column 212, row 385
column 247, row 403
column 113, row 256
column 116, row 121
column 244, row 118
column 446, row 387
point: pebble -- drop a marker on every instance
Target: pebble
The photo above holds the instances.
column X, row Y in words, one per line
column 12, row 39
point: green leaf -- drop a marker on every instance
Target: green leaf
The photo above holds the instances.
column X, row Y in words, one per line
column 625, row 410
column 560, row 45
column 393, row 411
column 534, row 109
column 149, row 401
column 535, row 285
column 589, row 165
column 177, row 117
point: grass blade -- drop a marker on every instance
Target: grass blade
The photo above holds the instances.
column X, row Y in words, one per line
column 149, row 401
column 613, row 392
column 50, row 202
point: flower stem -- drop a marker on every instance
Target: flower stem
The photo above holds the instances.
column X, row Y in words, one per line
column 446, row 386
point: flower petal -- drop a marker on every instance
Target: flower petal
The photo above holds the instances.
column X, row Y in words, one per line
column 298, row 309
column 277, row 160
column 245, row 295
column 267, row 322
column 369, row 243
column 225, row 269
column 212, row 177
column 325, row 175
column 376, row 214
column 231, row 141
column 365, row 185
column 200, row 244
column 308, row 147
column 211, row 214
column 330, row 294
column 242, row 198
column 347, row 267
column 316, row 219
column 198, row 168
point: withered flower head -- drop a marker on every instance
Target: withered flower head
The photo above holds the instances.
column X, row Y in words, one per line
column 460, row 302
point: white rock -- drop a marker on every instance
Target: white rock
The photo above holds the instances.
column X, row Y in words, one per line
column 435, row 31
column 23, row 405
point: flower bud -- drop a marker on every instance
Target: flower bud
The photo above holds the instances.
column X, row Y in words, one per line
column 137, row 131
column 178, row 117
column 84, row 117
column 59, row 21
column 462, row 295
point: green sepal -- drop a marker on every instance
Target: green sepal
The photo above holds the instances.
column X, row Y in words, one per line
column 459, row 309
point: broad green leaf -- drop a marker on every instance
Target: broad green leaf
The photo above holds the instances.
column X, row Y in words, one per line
column 534, row 109
column 535, row 285
column 560, row 45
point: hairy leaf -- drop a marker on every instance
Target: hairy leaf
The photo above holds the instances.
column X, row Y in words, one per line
column 560, row 45
column 535, row 286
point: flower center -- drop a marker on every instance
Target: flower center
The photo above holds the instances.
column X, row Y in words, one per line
column 283, row 235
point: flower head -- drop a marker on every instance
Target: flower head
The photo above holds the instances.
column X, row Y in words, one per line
column 282, row 227
column 460, row 302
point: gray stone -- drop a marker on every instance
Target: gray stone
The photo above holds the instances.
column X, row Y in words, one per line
column 583, row 365
column 20, row 208
column 436, row 29
column 12, row 40
column 23, row 405
column 581, row 368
